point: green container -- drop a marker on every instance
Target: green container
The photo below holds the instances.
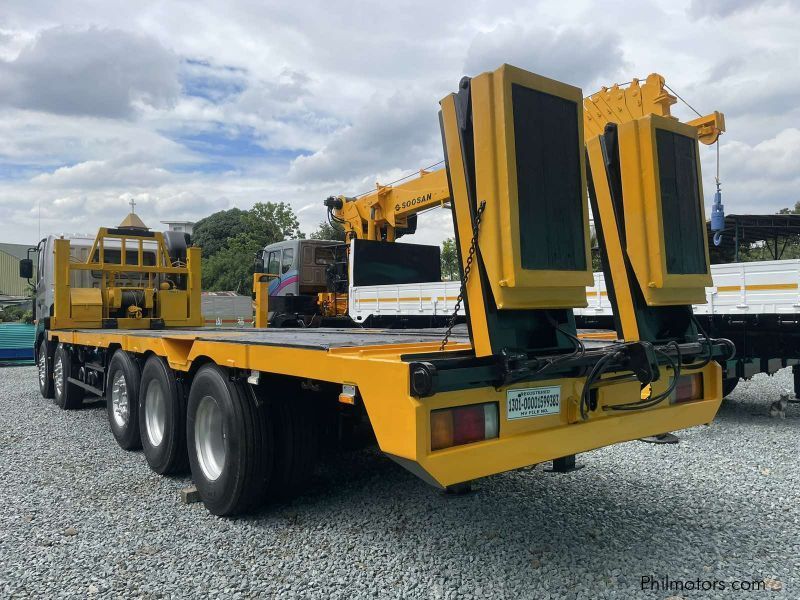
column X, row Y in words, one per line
column 16, row 342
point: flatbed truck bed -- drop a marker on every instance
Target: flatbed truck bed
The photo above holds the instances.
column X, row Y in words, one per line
column 378, row 366
column 321, row 338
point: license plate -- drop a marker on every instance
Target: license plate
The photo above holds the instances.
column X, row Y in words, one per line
column 533, row 402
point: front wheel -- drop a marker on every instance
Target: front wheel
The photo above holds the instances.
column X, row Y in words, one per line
column 45, row 372
column 229, row 440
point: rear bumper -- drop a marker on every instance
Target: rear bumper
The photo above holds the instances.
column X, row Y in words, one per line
column 539, row 439
column 482, row 459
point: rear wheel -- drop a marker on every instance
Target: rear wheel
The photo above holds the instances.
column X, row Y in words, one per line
column 296, row 439
column 162, row 418
column 67, row 395
column 229, row 440
column 728, row 385
column 45, row 373
column 122, row 400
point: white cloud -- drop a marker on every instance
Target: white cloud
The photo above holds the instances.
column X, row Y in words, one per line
column 579, row 56
column 104, row 173
column 97, row 72
column 756, row 175
column 372, row 142
column 726, row 8
column 190, row 108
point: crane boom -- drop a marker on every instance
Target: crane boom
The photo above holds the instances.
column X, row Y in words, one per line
column 620, row 105
column 390, row 210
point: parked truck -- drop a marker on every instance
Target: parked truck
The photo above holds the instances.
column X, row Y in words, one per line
column 755, row 304
column 247, row 409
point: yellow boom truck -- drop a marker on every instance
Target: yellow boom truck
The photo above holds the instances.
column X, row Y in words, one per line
column 246, row 408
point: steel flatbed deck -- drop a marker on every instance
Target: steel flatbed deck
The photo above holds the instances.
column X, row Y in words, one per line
column 319, row 338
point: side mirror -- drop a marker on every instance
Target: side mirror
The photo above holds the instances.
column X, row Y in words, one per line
column 259, row 265
column 26, row 268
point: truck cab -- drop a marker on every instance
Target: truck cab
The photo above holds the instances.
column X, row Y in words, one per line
column 298, row 270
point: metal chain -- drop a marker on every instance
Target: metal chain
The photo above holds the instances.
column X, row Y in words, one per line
column 476, row 223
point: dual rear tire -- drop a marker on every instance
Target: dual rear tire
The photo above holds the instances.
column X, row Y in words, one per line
column 122, row 400
column 241, row 447
column 147, row 410
column 229, row 438
column 245, row 446
column 162, row 418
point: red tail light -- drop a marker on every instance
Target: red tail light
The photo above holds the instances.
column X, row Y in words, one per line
column 689, row 387
column 463, row 425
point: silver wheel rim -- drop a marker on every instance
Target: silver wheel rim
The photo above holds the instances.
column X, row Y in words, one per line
column 155, row 413
column 42, row 369
column 58, row 372
column 209, row 438
column 119, row 399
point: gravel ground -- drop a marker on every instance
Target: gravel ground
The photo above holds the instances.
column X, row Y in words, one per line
column 79, row 517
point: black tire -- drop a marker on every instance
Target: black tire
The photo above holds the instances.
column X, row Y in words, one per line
column 232, row 471
column 44, row 363
column 296, row 443
column 162, row 418
column 66, row 395
column 123, row 385
column 728, row 385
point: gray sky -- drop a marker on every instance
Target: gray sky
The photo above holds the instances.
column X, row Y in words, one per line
column 194, row 107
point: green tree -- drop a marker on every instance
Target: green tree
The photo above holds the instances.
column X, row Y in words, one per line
column 213, row 232
column 230, row 266
column 326, row 231
column 449, row 256
column 272, row 220
column 12, row 314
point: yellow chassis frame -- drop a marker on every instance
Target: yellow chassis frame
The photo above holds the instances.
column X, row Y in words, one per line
column 402, row 422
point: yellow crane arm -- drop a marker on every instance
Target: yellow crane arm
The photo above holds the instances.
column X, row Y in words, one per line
column 620, row 105
column 384, row 213
column 379, row 215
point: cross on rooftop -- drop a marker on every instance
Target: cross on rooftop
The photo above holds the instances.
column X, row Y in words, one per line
column 133, row 205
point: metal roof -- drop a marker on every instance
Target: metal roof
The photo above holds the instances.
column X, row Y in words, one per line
column 748, row 229
column 18, row 250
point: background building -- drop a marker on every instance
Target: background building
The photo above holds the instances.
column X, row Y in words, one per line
column 182, row 226
column 11, row 284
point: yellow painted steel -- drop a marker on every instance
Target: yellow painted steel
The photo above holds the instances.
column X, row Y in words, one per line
column 389, row 206
column 261, row 291
column 381, row 373
column 86, row 304
column 615, row 251
column 173, row 304
column 514, row 287
column 479, row 326
column 402, row 422
column 78, row 307
column 644, row 221
column 619, row 105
